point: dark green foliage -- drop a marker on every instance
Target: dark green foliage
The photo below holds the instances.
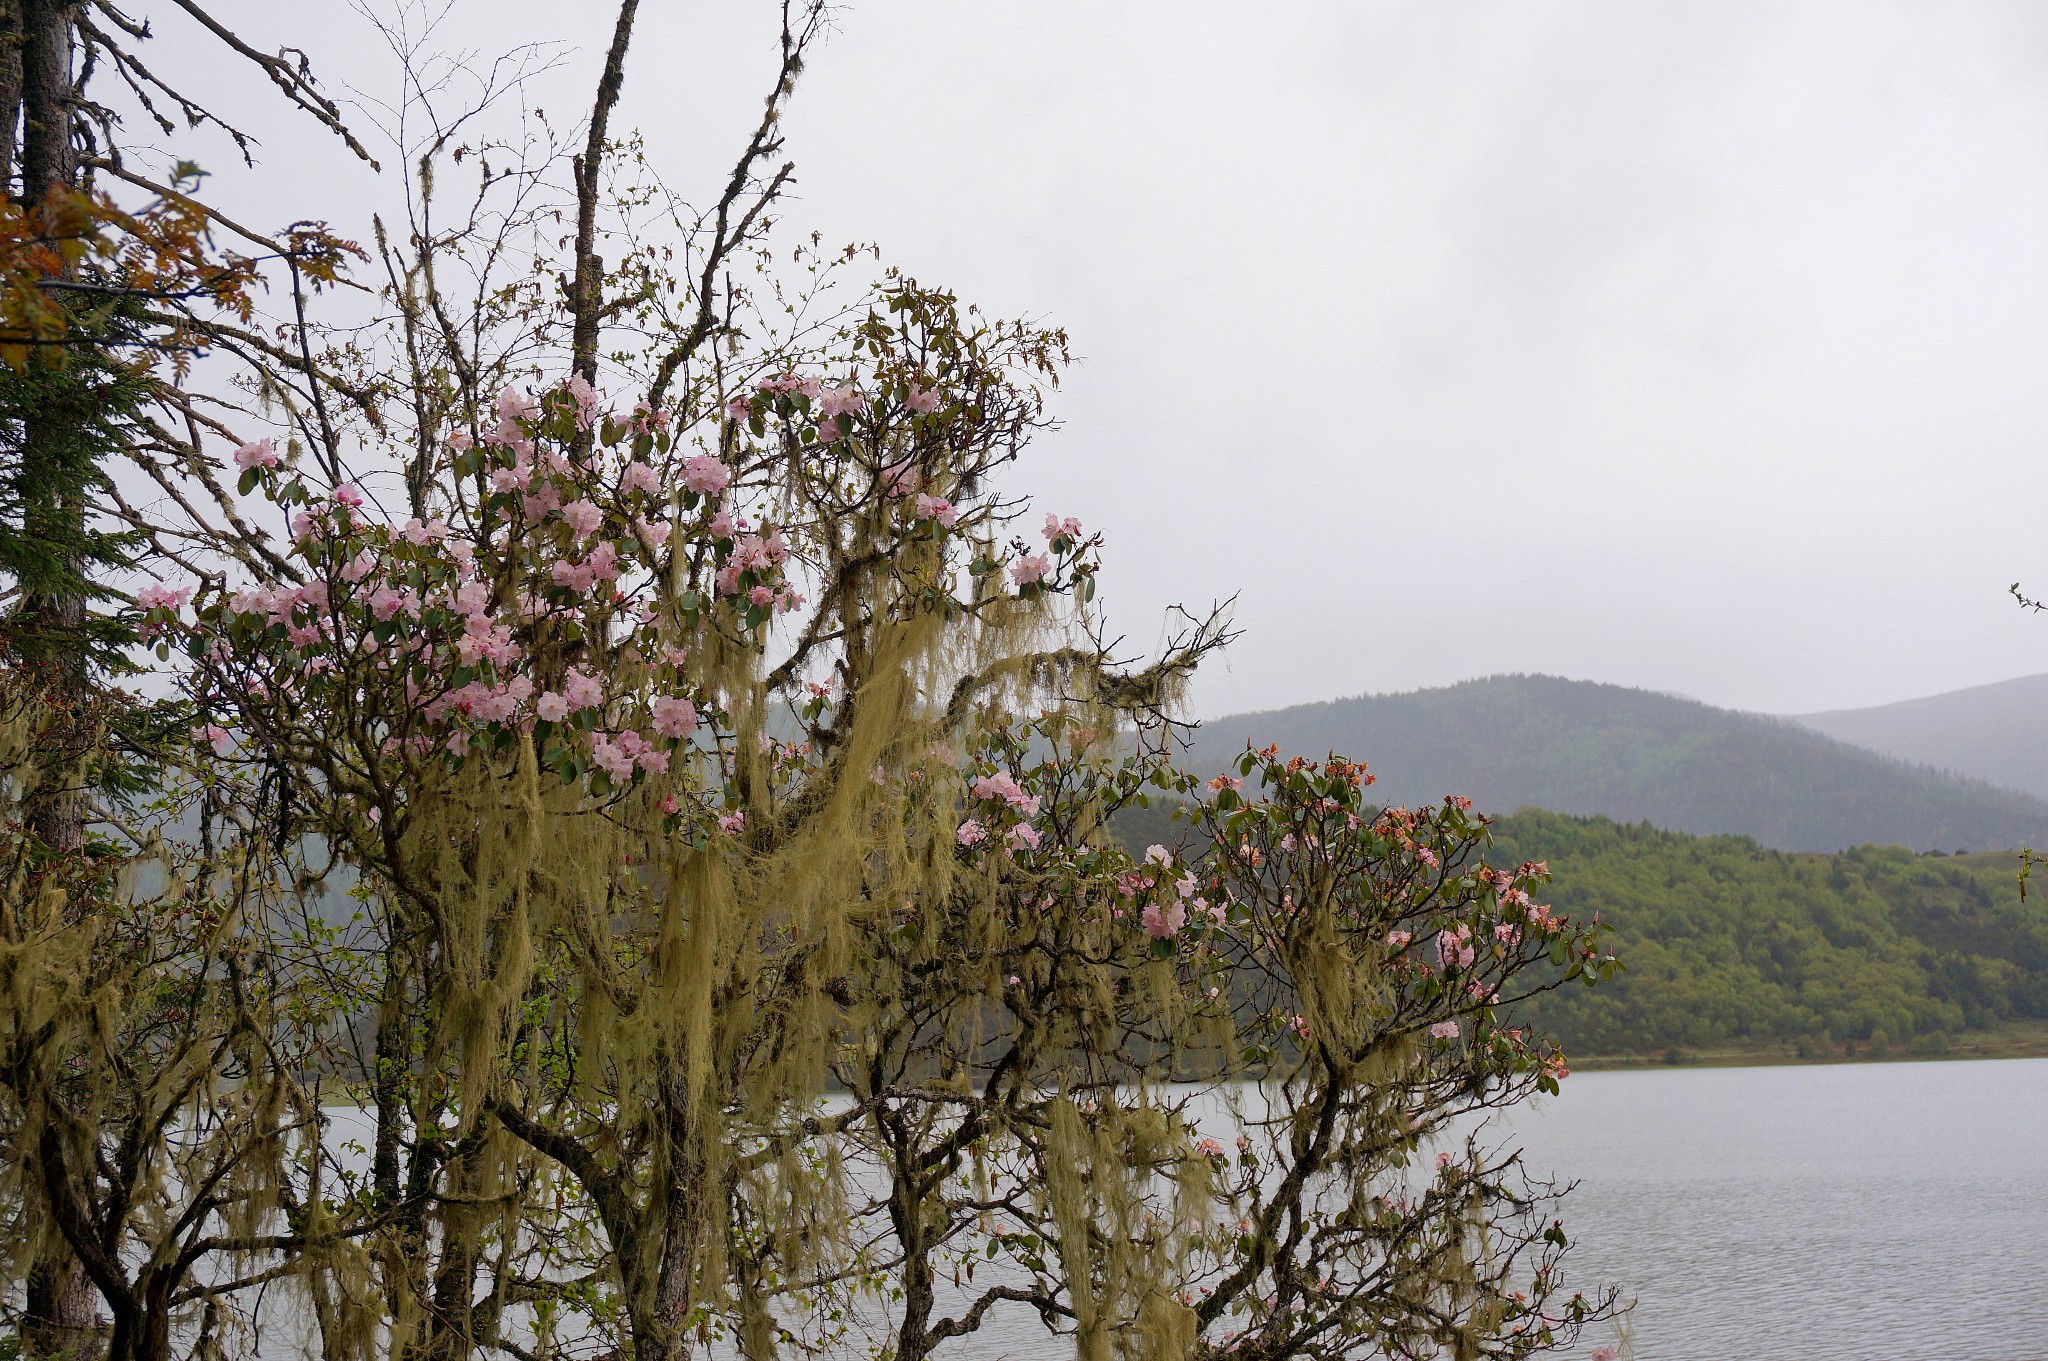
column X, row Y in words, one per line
column 60, row 424
column 1538, row 741
column 1725, row 942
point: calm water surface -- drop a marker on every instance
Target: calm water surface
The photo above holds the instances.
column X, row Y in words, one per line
column 1866, row 1212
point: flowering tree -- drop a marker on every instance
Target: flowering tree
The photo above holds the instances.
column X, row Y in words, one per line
column 699, row 731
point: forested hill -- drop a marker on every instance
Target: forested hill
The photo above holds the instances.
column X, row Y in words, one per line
column 1724, row 942
column 1578, row 747
column 1994, row 732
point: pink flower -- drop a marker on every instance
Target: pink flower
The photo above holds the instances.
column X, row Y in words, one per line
column 156, row 597
column 1163, row 922
column 732, row 824
column 923, row 400
column 1158, row 855
column 840, row 401
column 1398, row 939
column 348, row 494
column 640, row 477
column 261, row 454
column 582, row 518
column 652, row 761
column 1209, row 1148
column 738, row 409
column 583, row 691
column 1023, row 834
column 971, row 833
column 674, row 717
column 1443, row 1160
column 705, row 475
column 386, row 602
column 653, row 532
column 828, row 430
column 669, row 804
column 1030, row 568
column 585, row 397
column 458, row 440
column 420, row 532
column 1055, row 528
column 551, row 707
column 217, row 736
column 1445, row 1030
column 760, row 595
column 614, row 760
column 1607, row 1353
column 937, row 508
column 721, row 526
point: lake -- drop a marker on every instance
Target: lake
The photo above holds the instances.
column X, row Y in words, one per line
column 1848, row 1212
column 1851, row 1212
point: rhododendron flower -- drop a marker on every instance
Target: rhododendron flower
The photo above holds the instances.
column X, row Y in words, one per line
column 1426, row 856
column 582, row 518
column 604, row 562
column 158, row 597
column 1055, row 528
column 669, row 804
column 420, row 532
column 732, row 824
column 760, row 595
column 923, row 400
column 840, row 401
column 1032, row 567
column 937, row 508
column 583, row 691
column 386, row 602
column 586, row 399
column 261, row 454
column 652, row 760
column 640, row 477
column 705, row 475
column 1158, row 855
column 971, row 833
column 899, row 480
column 674, row 717
column 302, row 525
column 1023, row 834
column 614, row 760
column 551, row 706
column 358, row 567
column 458, row 440
column 828, row 430
column 1162, row 922
column 1445, row 1030
column 1398, row 939
column 348, row 494
column 738, row 409
column 1209, row 1148
column 217, row 736
column 721, row 526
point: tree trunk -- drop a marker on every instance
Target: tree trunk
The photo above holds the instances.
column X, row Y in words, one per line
column 62, row 1313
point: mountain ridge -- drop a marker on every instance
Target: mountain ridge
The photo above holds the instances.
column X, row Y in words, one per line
column 1590, row 749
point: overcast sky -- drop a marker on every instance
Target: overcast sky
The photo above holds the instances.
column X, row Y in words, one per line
column 1695, row 346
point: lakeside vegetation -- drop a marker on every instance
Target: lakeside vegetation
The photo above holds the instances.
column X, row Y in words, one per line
column 1733, row 952
column 1728, row 946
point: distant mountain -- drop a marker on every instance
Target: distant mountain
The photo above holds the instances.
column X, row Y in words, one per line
column 1990, row 732
column 1604, row 750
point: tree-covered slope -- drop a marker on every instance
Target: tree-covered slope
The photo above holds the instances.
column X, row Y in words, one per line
column 1585, row 748
column 1990, row 732
column 1726, row 942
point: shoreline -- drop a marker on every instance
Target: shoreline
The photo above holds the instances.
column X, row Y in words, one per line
column 2019, row 1039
